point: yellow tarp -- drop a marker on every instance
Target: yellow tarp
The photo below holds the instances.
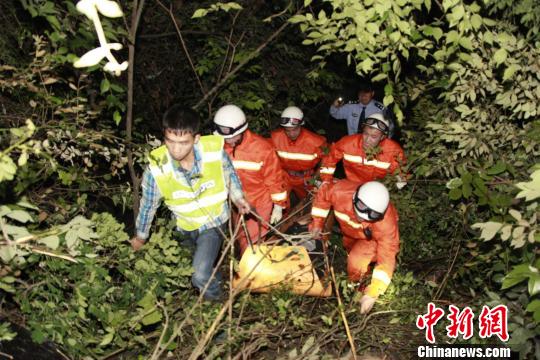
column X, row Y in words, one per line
column 269, row 267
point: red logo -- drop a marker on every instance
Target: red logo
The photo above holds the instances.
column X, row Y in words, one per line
column 429, row 320
column 494, row 322
column 460, row 322
column 490, row 322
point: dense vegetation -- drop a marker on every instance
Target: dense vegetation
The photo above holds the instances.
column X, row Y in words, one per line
column 462, row 78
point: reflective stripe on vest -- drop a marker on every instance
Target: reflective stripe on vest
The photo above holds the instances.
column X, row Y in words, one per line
column 382, row 276
column 360, row 160
column 282, row 196
column 247, row 165
column 327, row 170
column 197, row 204
column 315, row 211
column 296, row 156
column 348, row 220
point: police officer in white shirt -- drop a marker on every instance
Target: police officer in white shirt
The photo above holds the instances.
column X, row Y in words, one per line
column 356, row 113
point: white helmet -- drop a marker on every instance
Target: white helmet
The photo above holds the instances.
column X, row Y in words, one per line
column 371, row 201
column 230, row 121
column 292, row 117
column 379, row 122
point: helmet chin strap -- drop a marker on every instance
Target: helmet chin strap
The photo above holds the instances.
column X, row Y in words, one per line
column 363, row 216
column 238, row 143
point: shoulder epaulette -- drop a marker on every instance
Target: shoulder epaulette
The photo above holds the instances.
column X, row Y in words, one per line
column 379, row 105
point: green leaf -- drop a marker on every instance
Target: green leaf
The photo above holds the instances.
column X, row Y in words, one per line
column 515, row 214
column 437, row 33
column 7, row 252
column 452, row 37
column 71, row 238
column 455, row 194
column 533, row 306
column 506, row 231
column 500, row 56
column 152, row 318
column 23, row 158
column 458, row 12
column 8, row 279
column 38, row 336
column 534, row 284
column 536, row 316
column 20, row 216
column 454, row 183
column 8, row 288
column 467, row 190
column 297, row 19
column 117, row 117
column 52, row 241
column 530, row 190
column 388, row 99
column 7, row 168
column 199, row 13
column 498, row 168
column 489, row 229
column 447, row 4
column 105, row 86
column 518, row 274
column 372, row 28
column 24, row 203
column 476, row 21
column 510, row 71
column 379, row 77
column 107, row 338
column 147, row 301
column 466, row 43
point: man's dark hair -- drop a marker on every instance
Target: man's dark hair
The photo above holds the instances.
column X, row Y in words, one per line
column 366, row 87
column 180, row 120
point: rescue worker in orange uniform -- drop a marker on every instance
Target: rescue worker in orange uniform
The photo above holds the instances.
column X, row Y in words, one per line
column 369, row 223
column 368, row 156
column 299, row 150
column 255, row 160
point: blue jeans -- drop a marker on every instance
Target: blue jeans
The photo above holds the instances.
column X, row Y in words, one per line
column 206, row 245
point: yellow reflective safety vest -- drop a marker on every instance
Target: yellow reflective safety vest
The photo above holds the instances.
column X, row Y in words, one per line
column 193, row 204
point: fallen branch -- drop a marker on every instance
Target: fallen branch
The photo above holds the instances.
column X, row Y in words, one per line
column 48, row 253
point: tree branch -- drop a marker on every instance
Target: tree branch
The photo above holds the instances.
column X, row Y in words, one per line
column 184, row 47
column 253, row 54
column 135, row 19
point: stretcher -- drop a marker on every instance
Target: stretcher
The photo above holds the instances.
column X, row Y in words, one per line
column 269, row 266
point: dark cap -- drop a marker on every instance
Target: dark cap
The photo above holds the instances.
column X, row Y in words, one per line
column 365, row 87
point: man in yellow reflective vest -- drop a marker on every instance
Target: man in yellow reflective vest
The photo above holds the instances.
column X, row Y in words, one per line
column 194, row 176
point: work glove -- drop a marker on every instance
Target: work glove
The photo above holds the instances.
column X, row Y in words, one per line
column 366, row 304
column 277, row 214
column 401, row 182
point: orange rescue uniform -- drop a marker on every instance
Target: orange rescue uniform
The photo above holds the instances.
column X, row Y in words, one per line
column 263, row 181
column 381, row 249
column 358, row 167
column 299, row 157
